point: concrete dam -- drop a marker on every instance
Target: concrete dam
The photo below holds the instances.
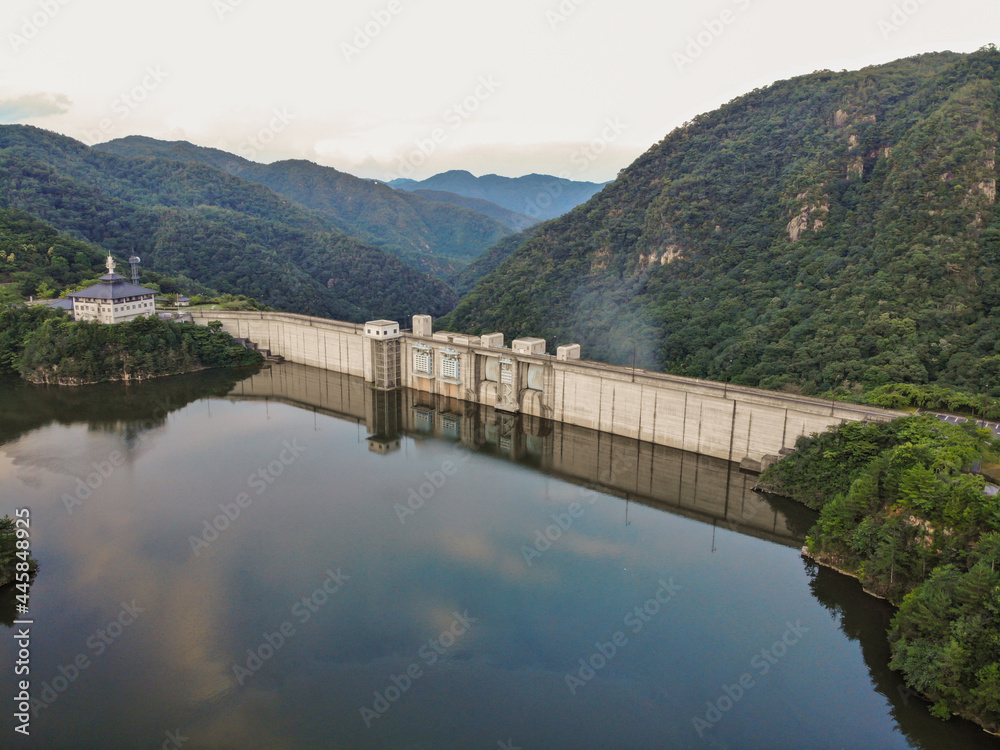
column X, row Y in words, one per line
column 748, row 426
column 710, row 490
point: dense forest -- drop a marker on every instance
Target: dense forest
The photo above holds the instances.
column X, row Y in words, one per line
column 43, row 345
column 465, row 280
column 510, row 219
column 38, row 261
column 431, row 235
column 536, row 195
column 901, row 510
column 197, row 222
column 836, row 230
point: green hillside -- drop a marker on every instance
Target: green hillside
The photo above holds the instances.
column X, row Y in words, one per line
column 38, row 261
column 430, row 235
column 833, row 230
column 199, row 222
column 467, row 278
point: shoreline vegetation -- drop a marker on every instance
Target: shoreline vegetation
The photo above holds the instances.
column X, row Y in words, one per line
column 905, row 510
column 45, row 347
column 8, row 553
column 923, row 396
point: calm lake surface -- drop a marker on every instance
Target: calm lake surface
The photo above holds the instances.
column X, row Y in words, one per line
column 289, row 560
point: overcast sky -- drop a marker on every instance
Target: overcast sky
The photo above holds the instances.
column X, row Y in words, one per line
column 387, row 88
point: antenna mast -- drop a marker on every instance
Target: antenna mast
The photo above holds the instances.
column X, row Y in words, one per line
column 134, row 262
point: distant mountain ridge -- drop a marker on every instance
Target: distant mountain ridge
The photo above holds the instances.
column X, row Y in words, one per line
column 536, row 195
column 435, row 236
column 832, row 231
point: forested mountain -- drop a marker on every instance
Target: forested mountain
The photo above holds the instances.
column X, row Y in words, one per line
column 436, row 236
column 37, row 260
column 467, row 278
column 836, row 230
column 536, row 195
column 197, row 221
column 40, row 260
column 510, row 219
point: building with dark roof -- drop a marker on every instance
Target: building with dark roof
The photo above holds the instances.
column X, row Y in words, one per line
column 114, row 300
column 64, row 303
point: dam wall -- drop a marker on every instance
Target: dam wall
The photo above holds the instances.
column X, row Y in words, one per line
column 317, row 342
column 749, row 426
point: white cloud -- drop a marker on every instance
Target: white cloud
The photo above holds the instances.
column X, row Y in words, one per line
column 28, row 107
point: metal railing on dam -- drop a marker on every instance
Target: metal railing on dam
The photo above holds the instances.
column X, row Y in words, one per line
column 706, row 489
column 750, row 426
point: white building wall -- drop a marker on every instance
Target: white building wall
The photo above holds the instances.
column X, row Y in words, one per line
column 107, row 311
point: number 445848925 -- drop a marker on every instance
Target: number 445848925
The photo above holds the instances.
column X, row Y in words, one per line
column 22, row 527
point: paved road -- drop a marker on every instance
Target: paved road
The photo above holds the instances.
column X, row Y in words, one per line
column 952, row 419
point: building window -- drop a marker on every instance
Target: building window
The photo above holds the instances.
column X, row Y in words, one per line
column 422, row 361
column 450, row 367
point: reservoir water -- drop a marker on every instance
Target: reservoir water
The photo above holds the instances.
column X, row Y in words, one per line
column 287, row 559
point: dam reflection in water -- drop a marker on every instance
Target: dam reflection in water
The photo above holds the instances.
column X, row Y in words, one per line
column 707, row 489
